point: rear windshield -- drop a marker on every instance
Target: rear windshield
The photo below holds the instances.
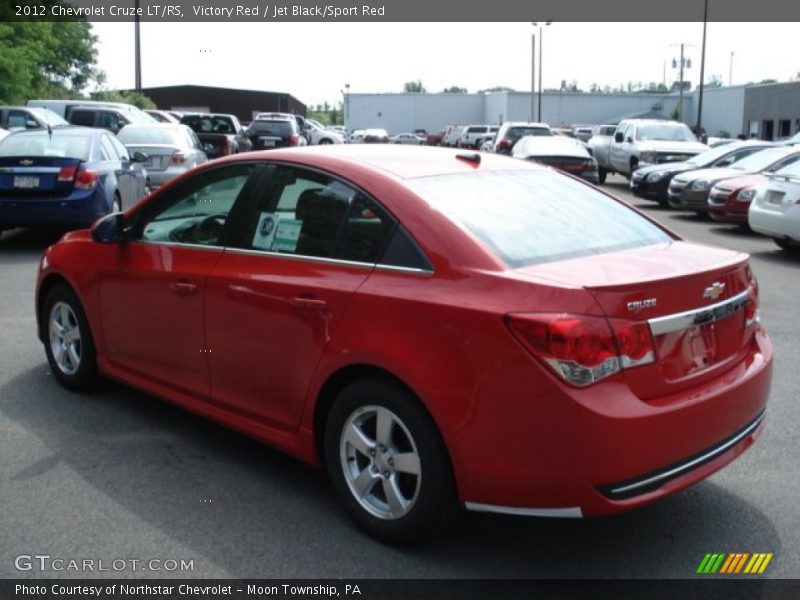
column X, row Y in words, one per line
column 278, row 128
column 209, row 124
column 61, row 146
column 151, row 135
column 533, row 216
column 49, row 117
column 514, row 133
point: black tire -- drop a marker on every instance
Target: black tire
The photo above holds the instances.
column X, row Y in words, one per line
column 325, row 142
column 83, row 375
column 663, row 202
column 432, row 503
column 601, row 175
column 116, row 204
column 787, row 245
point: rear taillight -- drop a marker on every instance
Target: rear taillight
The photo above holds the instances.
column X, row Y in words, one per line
column 225, row 146
column 178, row 158
column 751, row 311
column 294, row 139
column 505, row 145
column 86, row 179
column 583, row 349
column 67, row 173
column 589, row 165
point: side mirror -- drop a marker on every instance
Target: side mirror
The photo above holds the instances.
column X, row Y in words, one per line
column 109, row 229
column 618, row 137
column 140, row 157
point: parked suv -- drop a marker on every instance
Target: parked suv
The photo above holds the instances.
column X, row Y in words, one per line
column 220, row 134
column 16, row 118
column 276, row 131
column 511, row 132
column 106, row 117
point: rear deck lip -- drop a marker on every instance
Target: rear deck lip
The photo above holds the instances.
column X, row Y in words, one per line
column 689, row 318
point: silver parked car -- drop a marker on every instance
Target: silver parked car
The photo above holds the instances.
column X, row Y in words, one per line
column 171, row 149
column 407, row 138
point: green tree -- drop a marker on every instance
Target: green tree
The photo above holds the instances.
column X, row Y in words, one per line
column 45, row 59
column 135, row 98
column 498, row 88
column 414, row 87
column 714, row 81
column 454, row 89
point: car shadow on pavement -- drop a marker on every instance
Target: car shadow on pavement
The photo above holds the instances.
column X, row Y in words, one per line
column 241, row 509
column 25, row 241
column 779, row 257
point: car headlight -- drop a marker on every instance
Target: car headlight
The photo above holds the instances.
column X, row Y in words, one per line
column 648, row 157
column 657, row 176
column 700, row 185
column 746, row 195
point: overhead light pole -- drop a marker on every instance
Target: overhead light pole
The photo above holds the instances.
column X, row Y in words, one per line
column 730, row 71
column 533, row 71
column 546, row 23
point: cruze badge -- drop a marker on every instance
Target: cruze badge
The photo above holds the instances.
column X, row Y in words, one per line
column 26, row 162
column 714, row 291
column 640, row 304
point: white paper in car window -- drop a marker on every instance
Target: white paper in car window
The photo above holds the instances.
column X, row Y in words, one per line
column 287, row 233
column 265, row 232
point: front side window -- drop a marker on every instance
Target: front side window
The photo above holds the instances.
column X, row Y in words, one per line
column 533, row 216
column 197, row 211
column 84, row 118
column 307, row 213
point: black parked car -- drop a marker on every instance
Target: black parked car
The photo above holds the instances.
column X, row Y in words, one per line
column 275, row 132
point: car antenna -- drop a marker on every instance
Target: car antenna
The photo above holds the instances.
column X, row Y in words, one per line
column 473, row 158
column 47, row 122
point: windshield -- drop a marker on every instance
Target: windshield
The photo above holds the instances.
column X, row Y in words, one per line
column 42, row 144
column 759, row 161
column 49, row 117
column 665, row 132
column 709, row 157
column 534, row 216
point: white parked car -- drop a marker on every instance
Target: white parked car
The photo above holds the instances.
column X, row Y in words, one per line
column 452, row 134
column 474, row 135
column 407, row 138
column 559, row 152
column 775, row 209
column 316, row 133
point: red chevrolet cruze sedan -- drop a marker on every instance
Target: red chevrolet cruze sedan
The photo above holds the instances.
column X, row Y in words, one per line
column 439, row 329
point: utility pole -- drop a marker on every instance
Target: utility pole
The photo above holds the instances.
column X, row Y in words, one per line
column 137, row 50
column 680, row 101
column 730, row 71
column 684, row 63
column 533, row 73
column 698, row 127
column 546, row 23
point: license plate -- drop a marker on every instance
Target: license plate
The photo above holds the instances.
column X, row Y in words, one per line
column 26, row 181
column 265, row 142
column 775, row 197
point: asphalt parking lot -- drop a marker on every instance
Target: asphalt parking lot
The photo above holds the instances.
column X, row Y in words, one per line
column 121, row 475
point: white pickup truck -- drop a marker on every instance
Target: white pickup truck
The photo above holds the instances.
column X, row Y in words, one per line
column 641, row 142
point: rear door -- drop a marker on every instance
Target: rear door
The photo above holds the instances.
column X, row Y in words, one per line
column 277, row 295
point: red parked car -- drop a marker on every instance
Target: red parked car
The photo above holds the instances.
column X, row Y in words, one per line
column 729, row 200
column 439, row 329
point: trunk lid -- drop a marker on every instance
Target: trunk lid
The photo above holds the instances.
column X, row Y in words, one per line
column 692, row 296
column 158, row 155
column 34, row 175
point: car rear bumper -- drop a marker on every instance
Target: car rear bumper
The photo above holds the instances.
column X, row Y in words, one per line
column 67, row 211
column 776, row 224
column 607, row 451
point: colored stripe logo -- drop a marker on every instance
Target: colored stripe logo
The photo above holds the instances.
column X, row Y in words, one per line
column 734, row 563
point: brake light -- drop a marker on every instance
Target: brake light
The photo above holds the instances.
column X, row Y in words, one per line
column 67, row 173
column 505, row 145
column 86, row 179
column 178, row 158
column 225, row 146
column 751, row 311
column 583, row 349
column 294, row 139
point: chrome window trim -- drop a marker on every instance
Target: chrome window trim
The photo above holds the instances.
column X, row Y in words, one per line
column 698, row 316
column 320, row 259
column 171, row 244
column 407, row 270
column 689, row 465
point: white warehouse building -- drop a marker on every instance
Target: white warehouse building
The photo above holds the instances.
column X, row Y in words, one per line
column 756, row 110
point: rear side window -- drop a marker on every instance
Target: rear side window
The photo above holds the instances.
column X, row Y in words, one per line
column 82, row 117
column 534, row 216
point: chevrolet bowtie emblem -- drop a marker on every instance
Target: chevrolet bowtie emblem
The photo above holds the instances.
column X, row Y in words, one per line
column 26, row 162
column 714, row 291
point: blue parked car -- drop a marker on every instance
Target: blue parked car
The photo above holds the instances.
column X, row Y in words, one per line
column 66, row 177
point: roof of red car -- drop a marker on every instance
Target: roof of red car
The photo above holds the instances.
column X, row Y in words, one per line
column 403, row 162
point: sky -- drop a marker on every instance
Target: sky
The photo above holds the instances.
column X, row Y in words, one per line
column 314, row 61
